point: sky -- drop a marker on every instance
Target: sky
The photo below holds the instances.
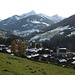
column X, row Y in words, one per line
column 64, row 8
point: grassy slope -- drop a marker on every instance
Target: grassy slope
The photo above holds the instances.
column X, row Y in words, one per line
column 12, row 65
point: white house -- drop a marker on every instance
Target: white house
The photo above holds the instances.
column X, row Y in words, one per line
column 61, row 51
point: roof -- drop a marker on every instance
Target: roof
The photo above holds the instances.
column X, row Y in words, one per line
column 62, row 48
column 45, row 55
column 29, row 56
column 34, row 55
column 32, row 50
column 73, row 58
column 73, row 62
column 62, row 60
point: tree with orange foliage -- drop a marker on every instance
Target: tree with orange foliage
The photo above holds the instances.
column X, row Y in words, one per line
column 21, row 48
column 14, row 48
column 18, row 47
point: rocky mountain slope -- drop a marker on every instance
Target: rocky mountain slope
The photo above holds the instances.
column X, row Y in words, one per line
column 61, row 34
column 4, row 33
column 54, row 18
column 6, row 37
column 28, row 23
column 65, row 27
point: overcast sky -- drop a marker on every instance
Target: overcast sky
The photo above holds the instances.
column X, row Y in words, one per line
column 64, row 8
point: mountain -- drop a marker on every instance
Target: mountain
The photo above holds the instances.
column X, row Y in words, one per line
column 28, row 14
column 26, row 24
column 9, row 20
column 14, row 18
column 61, row 33
column 4, row 34
column 54, row 18
column 66, row 26
column 6, row 37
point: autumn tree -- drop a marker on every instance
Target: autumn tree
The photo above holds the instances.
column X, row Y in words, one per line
column 23, row 49
column 18, row 47
column 14, row 48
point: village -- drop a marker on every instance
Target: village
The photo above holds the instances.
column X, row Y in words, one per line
column 61, row 57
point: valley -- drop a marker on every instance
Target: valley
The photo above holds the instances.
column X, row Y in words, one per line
column 37, row 44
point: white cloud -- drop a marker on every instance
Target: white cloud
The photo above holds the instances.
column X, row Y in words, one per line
column 49, row 7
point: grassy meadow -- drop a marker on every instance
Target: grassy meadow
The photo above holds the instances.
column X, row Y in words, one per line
column 12, row 65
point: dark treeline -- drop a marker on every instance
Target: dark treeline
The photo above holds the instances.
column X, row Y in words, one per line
column 7, row 41
column 62, row 41
column 56, row 41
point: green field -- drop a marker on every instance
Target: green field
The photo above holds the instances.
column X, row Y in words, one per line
column 12, row 65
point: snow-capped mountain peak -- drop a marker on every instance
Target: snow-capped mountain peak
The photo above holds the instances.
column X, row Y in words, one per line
column 32, row 12
column 54, row 18
column 27, row 23
column 16, row 17
column 28, row 14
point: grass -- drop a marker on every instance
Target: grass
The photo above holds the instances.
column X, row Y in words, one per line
column 12, row 65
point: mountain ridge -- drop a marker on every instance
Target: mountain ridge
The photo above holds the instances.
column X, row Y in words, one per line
column 27, row 23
